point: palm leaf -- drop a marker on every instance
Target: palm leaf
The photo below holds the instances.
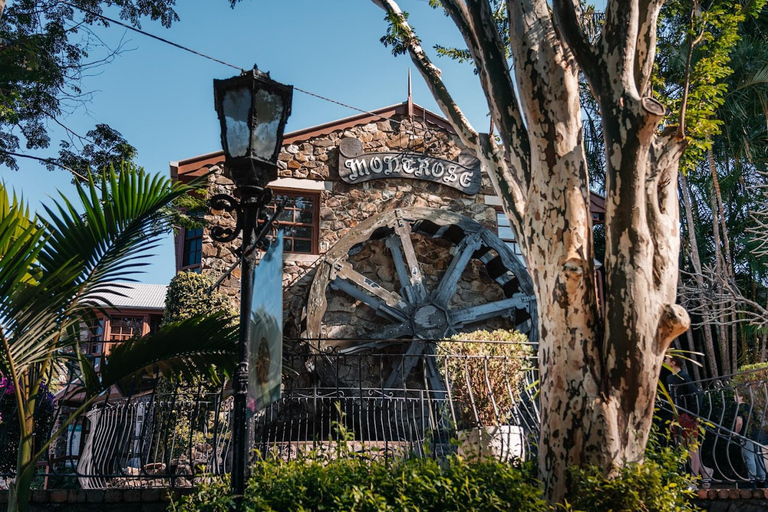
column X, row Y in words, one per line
column 187, row 349
column 77, row 257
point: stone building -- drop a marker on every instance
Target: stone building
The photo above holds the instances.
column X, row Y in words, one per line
column 390, row 229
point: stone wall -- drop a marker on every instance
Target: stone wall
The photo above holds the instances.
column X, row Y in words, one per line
column 343, row 206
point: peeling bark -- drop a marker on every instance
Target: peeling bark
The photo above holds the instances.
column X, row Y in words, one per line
column 598, row 379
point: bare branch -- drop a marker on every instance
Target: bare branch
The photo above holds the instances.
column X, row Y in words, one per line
column 477, row 25
column 718, row 301
column 46, row 161
column 567, row 15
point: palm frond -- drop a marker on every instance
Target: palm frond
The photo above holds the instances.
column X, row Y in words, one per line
column 195, row 347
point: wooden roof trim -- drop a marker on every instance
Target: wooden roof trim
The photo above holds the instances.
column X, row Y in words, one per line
column 198, row 165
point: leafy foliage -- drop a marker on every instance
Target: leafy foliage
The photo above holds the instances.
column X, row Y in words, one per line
column 55, row 270
column 709, row 34
column 9, row 425
column 657, row 485
column 354, row 484
column 47, row 48
column 190, row 294
column 485, row 377
column 106, row 145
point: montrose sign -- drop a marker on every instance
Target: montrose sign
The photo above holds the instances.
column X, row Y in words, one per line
column 357, row 167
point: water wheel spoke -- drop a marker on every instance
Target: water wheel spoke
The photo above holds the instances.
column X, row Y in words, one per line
column 395, row 248
column 434, row 379
column 447, row 286
column 408, row 360
column 371, row 301
column 411, row 271
column 393, row 331
column 499, row 308
column 343, row 270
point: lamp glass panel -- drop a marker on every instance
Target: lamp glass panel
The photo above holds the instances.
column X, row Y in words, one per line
column 269, row 111
column 236, row 104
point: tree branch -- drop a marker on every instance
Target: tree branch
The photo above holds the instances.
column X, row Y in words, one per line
column 645, row 51
column 486, row 150
column 567, row 15
column 662, row 209
column 618, row 45
column 477, row 25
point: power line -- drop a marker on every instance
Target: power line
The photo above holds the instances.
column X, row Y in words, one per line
column 214, row 59
column 162, row 40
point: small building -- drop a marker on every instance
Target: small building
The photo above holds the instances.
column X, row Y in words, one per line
column 136, row 310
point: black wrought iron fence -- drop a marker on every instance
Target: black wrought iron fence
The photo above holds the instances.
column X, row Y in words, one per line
column 731, row 414
column 384, row 399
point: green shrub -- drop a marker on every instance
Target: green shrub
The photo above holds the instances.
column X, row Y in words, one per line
column 188, row 296
column 658, row 485
column 453, row 484
column 485, row 378
column 355, row 484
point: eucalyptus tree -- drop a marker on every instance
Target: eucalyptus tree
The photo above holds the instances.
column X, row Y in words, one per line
column 598, row 377
column 55, row 271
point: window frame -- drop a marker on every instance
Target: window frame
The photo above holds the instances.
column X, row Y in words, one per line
column 513, row 244
column 194, row 267
column 315, row 226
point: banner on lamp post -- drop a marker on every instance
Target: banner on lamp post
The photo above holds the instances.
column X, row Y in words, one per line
column 265, row 343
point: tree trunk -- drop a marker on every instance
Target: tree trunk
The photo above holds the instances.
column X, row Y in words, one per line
column 720, row 313
column 19, row 490
column 728, row 263
column 709, row 346
column 598, row 382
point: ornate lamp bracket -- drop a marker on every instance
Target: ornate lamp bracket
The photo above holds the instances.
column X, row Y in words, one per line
column 228, row 204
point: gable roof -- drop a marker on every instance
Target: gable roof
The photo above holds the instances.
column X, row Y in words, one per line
column 135, row 296
column 199, row 165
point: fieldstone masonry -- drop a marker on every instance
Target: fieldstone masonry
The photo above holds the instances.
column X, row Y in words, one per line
column 342, row 206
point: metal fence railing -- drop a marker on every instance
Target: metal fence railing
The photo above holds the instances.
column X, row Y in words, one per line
column 384, row 399
column 731, row 413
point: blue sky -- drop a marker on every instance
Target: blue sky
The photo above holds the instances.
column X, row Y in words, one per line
column 161, row 98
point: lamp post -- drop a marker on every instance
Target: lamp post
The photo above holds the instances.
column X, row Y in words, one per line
column 252, row 110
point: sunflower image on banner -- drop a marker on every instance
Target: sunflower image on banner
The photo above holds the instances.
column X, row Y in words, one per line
column 265, row 343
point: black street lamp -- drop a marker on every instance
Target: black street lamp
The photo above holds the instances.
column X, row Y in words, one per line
column 252, row 110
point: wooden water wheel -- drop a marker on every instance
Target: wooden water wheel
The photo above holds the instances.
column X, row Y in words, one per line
column 415, row 274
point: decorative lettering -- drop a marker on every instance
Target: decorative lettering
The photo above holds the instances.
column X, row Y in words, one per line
column 393, row 164
column 376, row 166
column 356, row 166
column 423, row 167
column 451, row 176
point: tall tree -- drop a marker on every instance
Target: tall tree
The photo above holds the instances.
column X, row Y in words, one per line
column 598, row 379
column 46, row 47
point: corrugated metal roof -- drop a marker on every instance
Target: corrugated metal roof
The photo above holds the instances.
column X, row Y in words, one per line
column 137, row 295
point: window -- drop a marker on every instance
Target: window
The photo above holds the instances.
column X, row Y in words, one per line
column 123, row 328
column 299, row 220
column 506, row 232
column 193, row 247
